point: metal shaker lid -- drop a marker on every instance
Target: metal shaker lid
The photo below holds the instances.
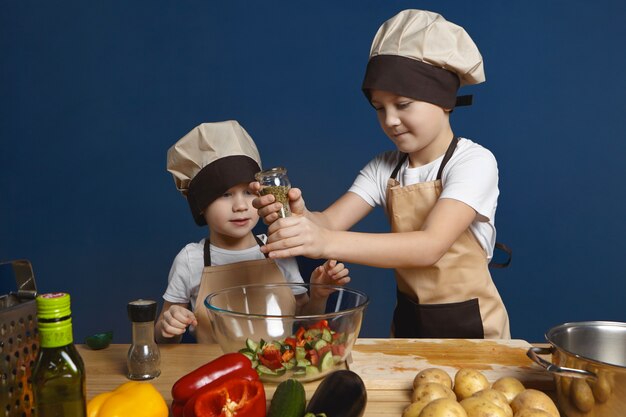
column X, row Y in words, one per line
column 142, row 310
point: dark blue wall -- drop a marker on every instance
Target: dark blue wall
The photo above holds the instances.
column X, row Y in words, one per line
column 92, row 94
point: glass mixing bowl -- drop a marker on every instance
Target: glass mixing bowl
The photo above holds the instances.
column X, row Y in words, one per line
column 283, row 335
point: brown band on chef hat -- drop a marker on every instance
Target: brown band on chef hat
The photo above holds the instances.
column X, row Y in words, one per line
column 419, row 54
column 209, row 160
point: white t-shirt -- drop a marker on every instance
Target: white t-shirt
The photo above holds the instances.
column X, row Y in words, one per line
column 186, row 272
column 470, row 176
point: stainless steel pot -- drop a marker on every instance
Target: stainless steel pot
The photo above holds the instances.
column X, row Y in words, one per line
column 589, row 367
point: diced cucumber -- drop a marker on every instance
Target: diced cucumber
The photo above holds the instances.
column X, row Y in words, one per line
column 312, row 333
column 299, row 371
column 252, row 345
column 300, row 352
column 337, row 359
column 290, row 363
column 312, row 370
column 327, row 361
column 264, row 370
column 320, row 344
column 247, row 353
column 303, row 362
column 326, row 335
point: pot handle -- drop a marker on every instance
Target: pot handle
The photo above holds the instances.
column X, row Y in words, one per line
column 534, row 352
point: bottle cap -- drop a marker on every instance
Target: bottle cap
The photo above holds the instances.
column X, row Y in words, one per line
column 142, row 310
column 53, row 305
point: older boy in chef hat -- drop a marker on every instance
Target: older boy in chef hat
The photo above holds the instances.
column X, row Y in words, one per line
column 439, row 191
column 212, row 166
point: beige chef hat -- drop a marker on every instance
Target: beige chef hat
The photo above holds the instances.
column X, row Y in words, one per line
column 209, row 160
column 421, row 55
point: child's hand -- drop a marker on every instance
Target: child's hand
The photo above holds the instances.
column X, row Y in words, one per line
column 175, row 321
column 268, row 208
column 331, row 272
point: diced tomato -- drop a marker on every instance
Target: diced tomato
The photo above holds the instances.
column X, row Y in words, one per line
column 300, row 333
column 324, row 349
column 319, row 325
column 338, row 350
column 270, row 357
column 290, row 341
column 287, row 355
column 313, row 357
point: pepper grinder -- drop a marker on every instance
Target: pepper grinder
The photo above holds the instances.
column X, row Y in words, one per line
column 144, row 358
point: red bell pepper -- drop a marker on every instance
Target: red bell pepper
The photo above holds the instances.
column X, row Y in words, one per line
column 236, row 397
column 270, row 356
column 226, row 366
column 177, row 409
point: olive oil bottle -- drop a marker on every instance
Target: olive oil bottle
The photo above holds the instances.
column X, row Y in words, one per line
column 58, row 378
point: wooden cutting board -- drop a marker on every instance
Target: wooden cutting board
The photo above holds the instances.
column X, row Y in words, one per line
column 388, row 366
column 393, row 363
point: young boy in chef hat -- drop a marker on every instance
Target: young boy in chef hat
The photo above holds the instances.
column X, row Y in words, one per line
column 439, row 190
column 212, row 166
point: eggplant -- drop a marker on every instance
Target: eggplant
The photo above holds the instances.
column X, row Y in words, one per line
column 341, row 394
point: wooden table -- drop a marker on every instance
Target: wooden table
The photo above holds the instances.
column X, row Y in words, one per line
column 387, row 366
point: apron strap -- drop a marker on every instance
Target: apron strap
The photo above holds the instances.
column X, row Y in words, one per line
column 260, row 243
column 504, row 248
column 445, row 160
column 448, row 155
column 403, row 158
column 207, row 250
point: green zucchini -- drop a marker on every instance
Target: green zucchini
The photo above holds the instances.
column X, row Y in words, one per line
column 341, row 394
column 288, row 401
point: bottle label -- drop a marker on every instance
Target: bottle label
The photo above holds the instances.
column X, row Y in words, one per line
column 55, row 334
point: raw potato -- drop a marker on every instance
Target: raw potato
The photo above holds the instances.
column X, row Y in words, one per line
column 581, row 395
column 467, row 382
column 532, row 398
column 414, row 409
column 443, row 407
column 509, row 386
column 481, row 407
column 532, row 412
column 433, row 375
column 431, row 391
column 495, row 397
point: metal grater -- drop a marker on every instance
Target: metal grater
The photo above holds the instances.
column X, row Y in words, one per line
column 19, row 341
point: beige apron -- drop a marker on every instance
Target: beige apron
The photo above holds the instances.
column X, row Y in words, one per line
column 215, row 278
column 455, row 297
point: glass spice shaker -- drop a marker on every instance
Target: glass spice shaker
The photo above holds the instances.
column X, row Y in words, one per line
column 144, row 358
column 275, row 181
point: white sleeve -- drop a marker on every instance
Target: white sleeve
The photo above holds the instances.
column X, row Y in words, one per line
column 371, row 183
column 473, row 179
column 178, row 287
